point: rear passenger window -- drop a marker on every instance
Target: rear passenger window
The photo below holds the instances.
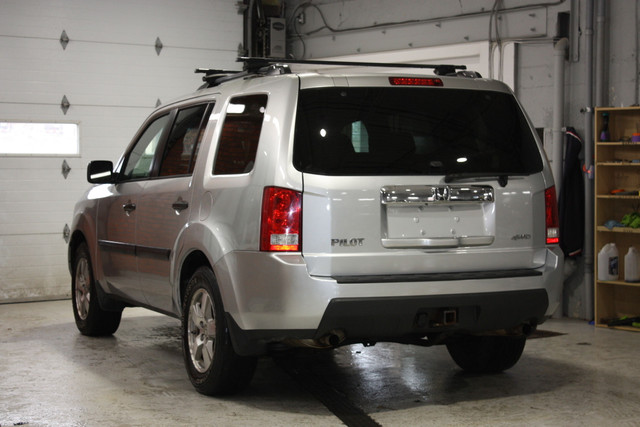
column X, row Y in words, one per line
column 181, row 149
column 240, row 135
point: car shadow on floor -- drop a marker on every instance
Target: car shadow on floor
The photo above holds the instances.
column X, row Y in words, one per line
column 394, row 376
column 146, row 352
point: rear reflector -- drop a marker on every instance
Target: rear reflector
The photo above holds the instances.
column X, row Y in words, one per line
column 415, row 81
column 551, row 216
column 280, row 224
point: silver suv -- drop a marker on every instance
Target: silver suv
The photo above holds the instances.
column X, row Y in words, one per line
column 275, row 208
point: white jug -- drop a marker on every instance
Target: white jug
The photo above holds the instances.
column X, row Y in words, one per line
column 631, row 273
column 608, row 262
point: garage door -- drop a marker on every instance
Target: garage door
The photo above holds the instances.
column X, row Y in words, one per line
column 100, row 67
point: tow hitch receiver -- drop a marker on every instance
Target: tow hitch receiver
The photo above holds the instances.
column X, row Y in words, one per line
column 449, row 317
column 437, row 318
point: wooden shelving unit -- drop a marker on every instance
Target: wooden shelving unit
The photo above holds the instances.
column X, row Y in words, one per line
column 617, row 166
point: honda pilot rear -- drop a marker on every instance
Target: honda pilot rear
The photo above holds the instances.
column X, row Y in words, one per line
column 319, row 210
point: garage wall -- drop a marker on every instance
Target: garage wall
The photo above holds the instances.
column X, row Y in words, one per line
column 357, row 27
column 112, row 76
column 351, row 28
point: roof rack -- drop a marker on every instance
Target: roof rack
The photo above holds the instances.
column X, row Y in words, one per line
column 253, row 64
column 214, row 76
column 273, row 66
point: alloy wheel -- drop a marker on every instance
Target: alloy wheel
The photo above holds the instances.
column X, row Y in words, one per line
column 82, row 288
column 202, row 330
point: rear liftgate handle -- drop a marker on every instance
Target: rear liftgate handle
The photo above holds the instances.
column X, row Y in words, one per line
column 444, row 195
column 438, row 242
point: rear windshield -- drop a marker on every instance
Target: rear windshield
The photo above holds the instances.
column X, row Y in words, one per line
column 412, row 131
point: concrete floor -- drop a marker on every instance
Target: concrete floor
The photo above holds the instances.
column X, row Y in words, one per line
column 52, row 375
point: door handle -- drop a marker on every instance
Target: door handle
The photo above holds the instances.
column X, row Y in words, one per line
column 129, row 207
column 180, row 205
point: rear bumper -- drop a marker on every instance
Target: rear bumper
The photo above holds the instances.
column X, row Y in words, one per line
column 406, row 319
column 271, row 298
column 391, row 319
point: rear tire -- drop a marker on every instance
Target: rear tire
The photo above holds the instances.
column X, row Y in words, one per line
column 486, row 354
column 213, row 366
column 90, row 318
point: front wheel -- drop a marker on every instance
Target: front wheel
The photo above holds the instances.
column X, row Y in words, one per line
column 90, row 318
column 213, row 366
column 486, row 354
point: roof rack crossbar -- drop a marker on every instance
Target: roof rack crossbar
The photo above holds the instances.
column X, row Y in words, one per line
column 252, row 64
column 213, row 77
column 214, row 71
column 256, row 65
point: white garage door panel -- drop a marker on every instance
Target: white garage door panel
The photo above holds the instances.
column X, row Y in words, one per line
column 28, row 224
column 35, row 198
column 35, row 204
column 102, row 75
column 104, row 133
column 205, row 24
column 23, row 252
column 112, row 77
column 34, row 222
column 32, row 267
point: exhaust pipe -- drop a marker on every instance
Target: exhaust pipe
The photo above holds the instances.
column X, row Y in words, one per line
column 332, row 339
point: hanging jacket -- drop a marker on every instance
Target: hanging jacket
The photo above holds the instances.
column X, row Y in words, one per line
column 571, row 200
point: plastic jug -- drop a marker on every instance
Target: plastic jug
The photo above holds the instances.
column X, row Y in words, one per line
column 631, row 273
column 608, row 262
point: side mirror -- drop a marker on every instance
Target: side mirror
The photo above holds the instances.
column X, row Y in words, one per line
column 100, row 172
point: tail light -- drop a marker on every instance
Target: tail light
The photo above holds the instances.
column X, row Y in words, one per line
column 280, row 227
column 551, row 216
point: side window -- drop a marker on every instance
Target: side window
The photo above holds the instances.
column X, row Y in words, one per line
column 240, row 134
column 182, row 145
column 140, row 161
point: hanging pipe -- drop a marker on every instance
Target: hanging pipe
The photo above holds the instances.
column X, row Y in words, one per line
column 588, row 161
column 248, row 26
column 599, row 64
column 559, row 54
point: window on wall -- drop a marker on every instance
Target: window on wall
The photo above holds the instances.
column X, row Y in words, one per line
column 240, row 134
column 32, row 138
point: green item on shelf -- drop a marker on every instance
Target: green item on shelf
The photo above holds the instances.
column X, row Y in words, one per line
column 636, row 324
column 624, row 321
column 631, row 220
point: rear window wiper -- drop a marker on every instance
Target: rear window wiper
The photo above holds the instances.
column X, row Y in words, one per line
column 503, row 178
